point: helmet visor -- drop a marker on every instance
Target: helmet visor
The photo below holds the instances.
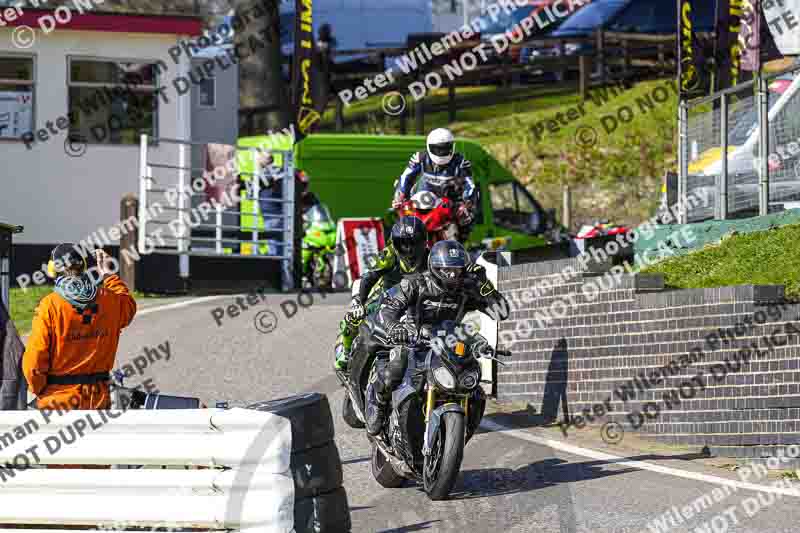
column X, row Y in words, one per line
column 405, row 247
column 441, row 149
column 450, row 275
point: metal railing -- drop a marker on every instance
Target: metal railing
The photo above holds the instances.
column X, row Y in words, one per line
column 177, row 216
column 742, row 145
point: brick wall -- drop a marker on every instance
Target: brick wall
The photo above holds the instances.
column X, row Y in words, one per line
column 614, row 330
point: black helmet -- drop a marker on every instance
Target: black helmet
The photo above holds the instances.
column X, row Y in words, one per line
column 448, row 262
column 409, row 239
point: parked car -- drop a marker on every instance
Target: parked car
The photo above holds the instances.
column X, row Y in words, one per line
column 510, row 23
column 630, row 16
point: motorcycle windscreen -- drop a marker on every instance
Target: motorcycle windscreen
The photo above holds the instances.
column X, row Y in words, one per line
column 427, row 191
column 318, row 215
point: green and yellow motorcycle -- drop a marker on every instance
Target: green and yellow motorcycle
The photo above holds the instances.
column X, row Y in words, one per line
column 319, row 246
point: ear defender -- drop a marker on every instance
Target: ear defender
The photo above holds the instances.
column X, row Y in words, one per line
column 51, row 269
column 66, row 255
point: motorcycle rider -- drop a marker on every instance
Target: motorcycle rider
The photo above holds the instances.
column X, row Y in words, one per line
column 406, row 253
column 451, row 287
column 442, row 167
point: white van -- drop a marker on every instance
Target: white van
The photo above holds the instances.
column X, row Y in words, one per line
column 743, row 158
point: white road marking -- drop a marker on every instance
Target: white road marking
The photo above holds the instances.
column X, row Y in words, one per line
column 148, row 310
column 643, row 465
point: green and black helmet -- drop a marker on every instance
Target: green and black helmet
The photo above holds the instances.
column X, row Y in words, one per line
column 410, row 239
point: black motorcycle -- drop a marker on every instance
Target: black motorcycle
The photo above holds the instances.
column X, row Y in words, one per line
column 434, row 412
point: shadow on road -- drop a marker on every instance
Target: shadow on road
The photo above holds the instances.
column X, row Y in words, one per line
column 356, row 460
column 539, row 475
column 521, row 419
column 412, row 527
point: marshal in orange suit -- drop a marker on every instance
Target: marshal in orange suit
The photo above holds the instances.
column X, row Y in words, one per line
column 76, row 330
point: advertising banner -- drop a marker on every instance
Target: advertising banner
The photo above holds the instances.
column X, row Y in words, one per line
column 689, row 67
column 308, row 104
column 728, row 51
column 783, row 18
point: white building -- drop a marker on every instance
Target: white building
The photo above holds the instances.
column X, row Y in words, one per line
column 103, row 73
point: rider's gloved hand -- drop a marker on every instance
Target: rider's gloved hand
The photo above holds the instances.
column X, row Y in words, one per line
column 398, row 200
column 399, row 334
column 357, row 311
column 477, row 274
column 465, row 213
column 480, row 347
column 477, row 270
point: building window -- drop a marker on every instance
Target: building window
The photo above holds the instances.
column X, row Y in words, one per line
column 17, row 81
column 207, row 92
column 112, row 102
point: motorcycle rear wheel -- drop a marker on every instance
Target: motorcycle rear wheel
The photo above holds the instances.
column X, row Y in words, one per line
column 443, row 463
column 349, row 414
column 383, row 472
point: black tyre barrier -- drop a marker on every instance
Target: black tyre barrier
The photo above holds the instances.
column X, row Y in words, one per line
column 136, row 399
column 316, row 471
column 326, row 513
column 310, row 415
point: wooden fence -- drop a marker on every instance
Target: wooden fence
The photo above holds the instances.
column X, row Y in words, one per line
column 605, row 58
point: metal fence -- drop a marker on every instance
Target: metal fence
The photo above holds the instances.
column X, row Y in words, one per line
column 179, row 216
column 721, row 141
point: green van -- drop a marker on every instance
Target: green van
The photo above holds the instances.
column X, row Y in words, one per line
column 355, row 176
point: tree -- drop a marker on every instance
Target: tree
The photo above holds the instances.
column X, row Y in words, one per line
column 261, row 78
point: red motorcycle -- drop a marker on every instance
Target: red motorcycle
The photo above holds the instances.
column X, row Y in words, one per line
column 601, row 228
column 434, row 209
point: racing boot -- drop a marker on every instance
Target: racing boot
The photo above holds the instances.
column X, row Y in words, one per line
column 344, row 344
column 342, row 357
column 377, row 410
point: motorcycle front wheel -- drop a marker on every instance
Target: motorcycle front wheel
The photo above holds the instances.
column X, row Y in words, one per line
column 443, row 462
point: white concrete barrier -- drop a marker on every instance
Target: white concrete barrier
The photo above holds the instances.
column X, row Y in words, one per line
column 246, row 483
column 488, row 327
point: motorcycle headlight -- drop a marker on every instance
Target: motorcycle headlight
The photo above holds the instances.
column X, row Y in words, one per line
column 444, row 378
column 469, row 380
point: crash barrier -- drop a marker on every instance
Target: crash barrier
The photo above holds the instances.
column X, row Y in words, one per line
column 272, row 467
column 670, row 364
column 320, row 500
column 755, row 124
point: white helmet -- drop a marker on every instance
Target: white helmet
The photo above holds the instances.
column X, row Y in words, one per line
column 441, row 146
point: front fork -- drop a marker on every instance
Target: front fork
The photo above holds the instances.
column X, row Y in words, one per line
column 432, row 422
column 430, row 404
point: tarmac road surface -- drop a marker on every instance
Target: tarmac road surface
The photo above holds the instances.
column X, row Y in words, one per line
column 510, row 481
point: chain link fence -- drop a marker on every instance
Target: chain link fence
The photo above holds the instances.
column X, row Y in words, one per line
column 722, row 141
